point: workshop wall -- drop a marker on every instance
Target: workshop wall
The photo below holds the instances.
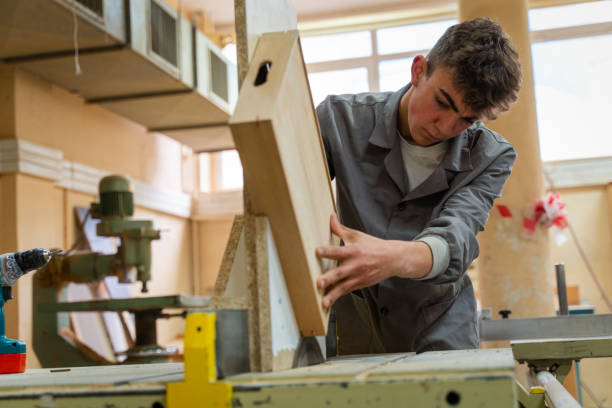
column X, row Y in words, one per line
column 88, row 134
column 589, row 214
column 213, row 235
column 32, row 211
column 37, row 211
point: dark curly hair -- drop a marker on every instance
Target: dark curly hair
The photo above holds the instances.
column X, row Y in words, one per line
column 486, row 65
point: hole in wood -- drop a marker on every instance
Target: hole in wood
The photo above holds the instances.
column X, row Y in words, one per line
column 262, row 73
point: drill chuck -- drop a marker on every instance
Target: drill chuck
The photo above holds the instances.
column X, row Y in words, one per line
column 32, row 259
column 16, row 264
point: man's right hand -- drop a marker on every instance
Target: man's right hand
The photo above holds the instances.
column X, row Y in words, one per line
column 365, row 260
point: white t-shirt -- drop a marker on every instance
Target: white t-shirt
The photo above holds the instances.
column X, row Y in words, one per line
column 420, row 162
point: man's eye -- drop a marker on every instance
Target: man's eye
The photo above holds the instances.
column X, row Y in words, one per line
column 441, row 104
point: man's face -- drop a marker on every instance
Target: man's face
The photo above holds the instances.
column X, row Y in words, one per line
column 434, row 109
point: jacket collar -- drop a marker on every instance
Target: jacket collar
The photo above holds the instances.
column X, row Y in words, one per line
column 387, row 137
column 456, row 159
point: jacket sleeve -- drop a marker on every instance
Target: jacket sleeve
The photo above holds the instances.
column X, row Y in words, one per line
column 466, row 212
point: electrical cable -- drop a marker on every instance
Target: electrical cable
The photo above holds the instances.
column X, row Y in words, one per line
column 75, row 39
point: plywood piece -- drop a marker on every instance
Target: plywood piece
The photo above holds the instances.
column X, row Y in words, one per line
column 278, row 332
column 251, row 23
column 284, row 333
column 230, row 282
column 274, row 335
column 276, row 132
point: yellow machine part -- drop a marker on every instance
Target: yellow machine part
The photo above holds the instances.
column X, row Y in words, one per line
column 200, row 387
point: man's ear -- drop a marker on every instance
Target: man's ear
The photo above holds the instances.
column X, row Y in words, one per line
column 418, row 70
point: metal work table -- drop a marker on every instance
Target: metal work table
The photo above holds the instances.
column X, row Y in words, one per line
column 464, row 378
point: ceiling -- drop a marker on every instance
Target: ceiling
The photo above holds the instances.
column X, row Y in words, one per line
column 222, row 11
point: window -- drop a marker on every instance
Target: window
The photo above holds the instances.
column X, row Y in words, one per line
column 394, row 74
column 572, row 15
column 220, row 171
column 571, row 68
column 353, row 62
column 573, row 102
column 351, row 80
column 337, row 46
column 411, row 38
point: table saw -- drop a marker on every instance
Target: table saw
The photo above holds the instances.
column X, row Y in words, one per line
column 469, row 378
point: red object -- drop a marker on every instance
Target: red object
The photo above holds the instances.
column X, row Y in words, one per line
column 529, row 224
column 12, row 363
column 504, row 211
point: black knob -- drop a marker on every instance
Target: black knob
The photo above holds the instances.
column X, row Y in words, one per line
column 505, row 313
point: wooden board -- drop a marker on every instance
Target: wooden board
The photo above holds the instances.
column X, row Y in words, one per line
column 275, row 130
column 251, row 23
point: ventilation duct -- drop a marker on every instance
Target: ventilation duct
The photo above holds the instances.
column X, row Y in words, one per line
column 40, row 27
column 137, row 58
column 199, row 118
column 217, row 76
column 157, row 59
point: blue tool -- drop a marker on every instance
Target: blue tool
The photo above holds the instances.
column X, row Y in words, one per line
column 12, row 266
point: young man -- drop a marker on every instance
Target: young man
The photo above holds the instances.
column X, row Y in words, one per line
column 416, row 175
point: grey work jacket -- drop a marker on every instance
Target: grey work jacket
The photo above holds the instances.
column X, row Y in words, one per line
column 364, row 156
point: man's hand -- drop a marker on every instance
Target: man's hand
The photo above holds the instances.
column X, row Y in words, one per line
column 365, row 260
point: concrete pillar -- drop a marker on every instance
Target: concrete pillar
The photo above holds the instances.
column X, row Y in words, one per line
column 515, row 272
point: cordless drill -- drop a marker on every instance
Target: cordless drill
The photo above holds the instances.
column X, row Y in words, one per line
column 12, row 266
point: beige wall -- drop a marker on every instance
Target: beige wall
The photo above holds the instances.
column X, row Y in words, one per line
column 88, row 134
column 213, row 236
column 589, row 213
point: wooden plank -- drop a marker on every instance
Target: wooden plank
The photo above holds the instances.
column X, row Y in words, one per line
column 276, row 132
column 254, row 18
column 277, row 319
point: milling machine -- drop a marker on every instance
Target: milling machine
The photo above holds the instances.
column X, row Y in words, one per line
column 52, row 339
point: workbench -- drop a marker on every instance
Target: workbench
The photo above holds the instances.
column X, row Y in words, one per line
column 465, row 378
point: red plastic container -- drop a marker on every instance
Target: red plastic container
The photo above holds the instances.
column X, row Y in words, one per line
column 12, row 363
